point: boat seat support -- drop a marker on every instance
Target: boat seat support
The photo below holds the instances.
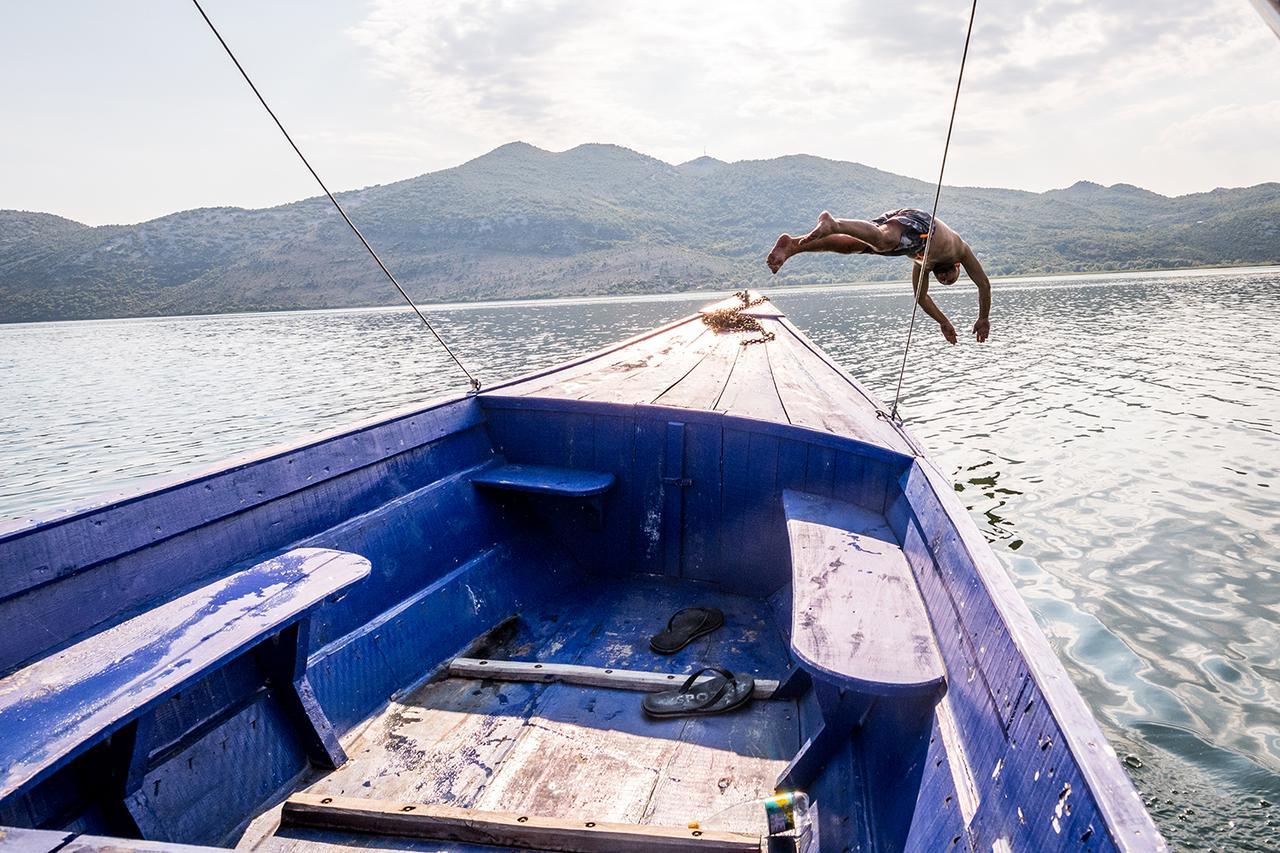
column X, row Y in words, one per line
column 130, row 669
column 859, row 628
column 285, row 658
column 843, row 712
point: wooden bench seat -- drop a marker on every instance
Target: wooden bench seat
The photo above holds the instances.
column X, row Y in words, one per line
column 59, row 706
column 545, row 480
column 857, row 617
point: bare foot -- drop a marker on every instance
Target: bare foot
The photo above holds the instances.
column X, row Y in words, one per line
column 826, row 227
column 783, row 249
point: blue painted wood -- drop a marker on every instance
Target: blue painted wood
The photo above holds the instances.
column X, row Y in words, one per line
column 1006, row 715
column 857, row 618
column 937, row 821
column 614, row 452
column 55, row 709
column 203, row 791
column 674, row 485
column 737, row 542
column 492, row 403
column 111, row 591
column 356, row 674
column 702, row 516
column 545, row 480
column 55, row 545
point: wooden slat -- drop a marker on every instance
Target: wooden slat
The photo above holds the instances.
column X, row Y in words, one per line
column 557, row 381
column 711, row 770
column 592, row 676
column 701, row 387
column 856, row 612
column 529, row 832
column 649, row 378
column 817, row 395
column 630, row 367
column 750, row 392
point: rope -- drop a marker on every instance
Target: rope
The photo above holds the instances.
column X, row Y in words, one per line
column 736, row 320
column 933, row 219
column 475, row 383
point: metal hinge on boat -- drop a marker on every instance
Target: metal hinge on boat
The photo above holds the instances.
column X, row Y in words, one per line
column 678, row 481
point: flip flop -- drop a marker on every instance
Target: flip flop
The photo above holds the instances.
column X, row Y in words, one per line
column 723, row 691
column 684, row 627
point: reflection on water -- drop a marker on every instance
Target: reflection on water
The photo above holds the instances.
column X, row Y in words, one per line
column 1117, row 440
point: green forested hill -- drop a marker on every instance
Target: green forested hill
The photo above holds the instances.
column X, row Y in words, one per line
column 521, row 222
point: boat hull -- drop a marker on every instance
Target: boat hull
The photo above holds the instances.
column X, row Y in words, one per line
column 1006, row 753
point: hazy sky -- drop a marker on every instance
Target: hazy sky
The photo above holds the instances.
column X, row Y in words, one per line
column 125, row 110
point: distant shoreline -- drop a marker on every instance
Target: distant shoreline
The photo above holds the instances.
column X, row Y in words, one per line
column 773, row 287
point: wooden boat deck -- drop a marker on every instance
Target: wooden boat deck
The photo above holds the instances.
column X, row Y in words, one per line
column 785, row 379
column 566, row 750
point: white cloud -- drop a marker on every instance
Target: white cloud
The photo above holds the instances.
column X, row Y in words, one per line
column 1056, row 89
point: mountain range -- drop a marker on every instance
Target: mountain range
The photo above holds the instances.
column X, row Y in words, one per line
column 596, row 219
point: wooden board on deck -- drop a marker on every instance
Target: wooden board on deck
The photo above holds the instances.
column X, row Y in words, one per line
column 524, row 831
column 783, row 379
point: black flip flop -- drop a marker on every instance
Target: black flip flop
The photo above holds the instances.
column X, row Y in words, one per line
column 684, row 627
column 723, row 691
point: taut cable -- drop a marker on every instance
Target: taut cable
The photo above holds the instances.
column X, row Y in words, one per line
column 933, row 219
column 475, row 383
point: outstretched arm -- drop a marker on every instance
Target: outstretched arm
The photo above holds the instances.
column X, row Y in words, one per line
column 982, row 328
column 920, row 286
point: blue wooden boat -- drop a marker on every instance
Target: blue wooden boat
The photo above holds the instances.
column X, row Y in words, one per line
column 431, row 631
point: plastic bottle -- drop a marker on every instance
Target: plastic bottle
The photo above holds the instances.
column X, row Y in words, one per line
column 784, row 814
column 787, row 813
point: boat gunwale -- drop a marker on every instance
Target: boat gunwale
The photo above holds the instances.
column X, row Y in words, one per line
column 161, row 483
column 1112, row 790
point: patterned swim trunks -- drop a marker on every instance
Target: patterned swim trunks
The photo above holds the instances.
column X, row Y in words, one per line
column 915, row 223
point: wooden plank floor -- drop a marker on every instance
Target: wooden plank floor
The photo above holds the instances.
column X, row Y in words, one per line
column 565, row 750
column 785, row 379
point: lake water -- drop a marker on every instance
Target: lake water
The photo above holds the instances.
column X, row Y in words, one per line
column 1118, row 440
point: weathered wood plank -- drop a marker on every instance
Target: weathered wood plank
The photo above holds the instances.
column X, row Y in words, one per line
column 18, row 840
column 856, row 613
column 817, row 395
column 702, row 386
column 563, row 380
column 587, row 752
column 749, row 391
column 647, row 378
column 525, row 831
column 592, row 676
column 710, row 770
column 629, row 366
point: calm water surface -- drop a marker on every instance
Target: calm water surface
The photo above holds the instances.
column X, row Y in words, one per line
column 1118, row 440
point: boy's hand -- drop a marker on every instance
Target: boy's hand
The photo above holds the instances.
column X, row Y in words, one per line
column 981, row 330
column 948, row 332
